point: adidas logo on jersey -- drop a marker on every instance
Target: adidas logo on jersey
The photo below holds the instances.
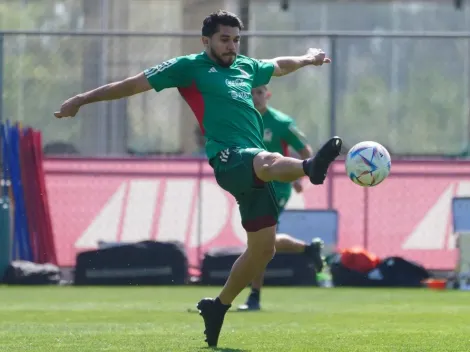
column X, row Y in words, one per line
column 212, row 70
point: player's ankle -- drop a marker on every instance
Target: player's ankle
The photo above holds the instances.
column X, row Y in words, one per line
column 306, row 166
column 255, row 294
column 219, row 302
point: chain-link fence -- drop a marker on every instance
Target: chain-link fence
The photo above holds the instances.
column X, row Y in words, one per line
column 421, row 109
column 409, row 93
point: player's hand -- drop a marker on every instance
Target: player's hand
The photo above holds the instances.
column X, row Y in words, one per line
column 298, row 186
column 317, row 57
column 69, row 108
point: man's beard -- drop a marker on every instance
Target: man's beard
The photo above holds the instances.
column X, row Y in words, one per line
column 220, row 61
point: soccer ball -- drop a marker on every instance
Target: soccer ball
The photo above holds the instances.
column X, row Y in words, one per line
column 368, row 164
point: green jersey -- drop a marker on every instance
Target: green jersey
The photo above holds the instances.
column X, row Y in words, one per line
column 280, row 132
column 220, row 97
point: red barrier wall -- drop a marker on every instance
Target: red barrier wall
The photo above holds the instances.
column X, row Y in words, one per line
column 130, row 199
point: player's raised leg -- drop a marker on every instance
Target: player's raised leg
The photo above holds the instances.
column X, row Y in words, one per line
column 288, row 244
column 275, row 167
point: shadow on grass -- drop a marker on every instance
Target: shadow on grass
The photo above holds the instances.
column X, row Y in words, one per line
column 221, row 349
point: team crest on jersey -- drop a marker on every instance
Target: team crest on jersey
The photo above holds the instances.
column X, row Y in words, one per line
column 268, row 135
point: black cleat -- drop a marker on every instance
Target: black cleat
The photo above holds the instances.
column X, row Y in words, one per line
column 317, row 167
column 213, row 313
column 315, row 254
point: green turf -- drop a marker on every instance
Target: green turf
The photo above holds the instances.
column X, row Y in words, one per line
column 294, row 319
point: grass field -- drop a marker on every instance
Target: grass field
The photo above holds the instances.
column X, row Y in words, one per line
column 294, row 319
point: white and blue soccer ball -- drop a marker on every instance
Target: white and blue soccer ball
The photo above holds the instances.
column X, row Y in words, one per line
column 368, row 163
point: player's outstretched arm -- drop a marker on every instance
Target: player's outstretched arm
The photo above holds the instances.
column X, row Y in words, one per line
column 112, row 91
column 287, row 64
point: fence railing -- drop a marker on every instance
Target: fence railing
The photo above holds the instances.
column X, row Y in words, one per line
column 387, row 86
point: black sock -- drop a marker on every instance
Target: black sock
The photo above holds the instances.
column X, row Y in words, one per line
column 255, row 294
column 221, row 305
column 306, row 166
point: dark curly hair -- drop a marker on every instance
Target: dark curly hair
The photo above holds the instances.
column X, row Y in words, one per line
column 211, row 23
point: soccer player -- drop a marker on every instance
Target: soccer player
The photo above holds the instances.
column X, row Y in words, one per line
column 216, row 84
column 280, row 133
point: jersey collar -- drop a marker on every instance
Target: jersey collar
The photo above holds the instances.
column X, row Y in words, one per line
column 215, row 62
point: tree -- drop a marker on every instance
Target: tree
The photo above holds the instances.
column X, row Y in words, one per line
column 363, row 113
column 40, row 72
column 433, row 114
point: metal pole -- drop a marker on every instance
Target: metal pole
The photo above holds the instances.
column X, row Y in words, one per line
column 1, row 77
column 245, row 17
column 21, row 80
column 333, row 101
column 394, row 71
column 258, row 34
column 104, row 117
column 466, row 75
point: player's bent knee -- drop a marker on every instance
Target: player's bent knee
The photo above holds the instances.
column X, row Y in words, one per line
column 268, row 255
column 282, row 237
column 263, row 163
column 263, row 255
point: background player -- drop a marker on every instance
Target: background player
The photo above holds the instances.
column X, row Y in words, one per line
column 217, row 86
column 280, row 133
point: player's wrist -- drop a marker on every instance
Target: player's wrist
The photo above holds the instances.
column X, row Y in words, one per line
column 81, row 99
column 306, row 60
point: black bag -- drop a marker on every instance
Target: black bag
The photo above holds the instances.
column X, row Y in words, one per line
column 27, row 273
column 284, row 269
column 399, row 272
column 343, row 276
column 391, row 272
column 143, row 263
column 217, row 264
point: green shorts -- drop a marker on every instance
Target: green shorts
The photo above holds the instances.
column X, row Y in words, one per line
column 283, row 193
column 234, row 172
